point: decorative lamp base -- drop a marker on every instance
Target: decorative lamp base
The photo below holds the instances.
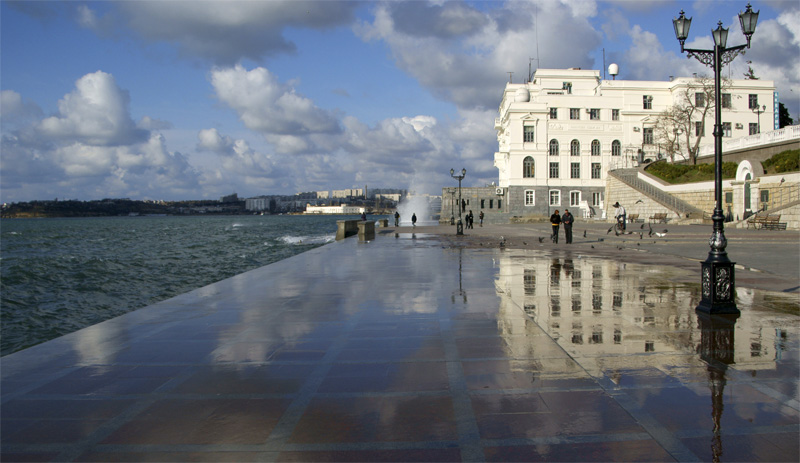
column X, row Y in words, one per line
column 718, row 287
column 459, row 227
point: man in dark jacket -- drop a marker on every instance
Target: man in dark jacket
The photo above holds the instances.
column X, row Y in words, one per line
column 567, row 220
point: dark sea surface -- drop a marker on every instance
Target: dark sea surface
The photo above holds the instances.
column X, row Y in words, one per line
column 61, row 275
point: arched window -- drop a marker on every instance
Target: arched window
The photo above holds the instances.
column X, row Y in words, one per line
column 595, row 147
column 575, row 148
column 616, row 148
column 554, row 147
column 527, row 167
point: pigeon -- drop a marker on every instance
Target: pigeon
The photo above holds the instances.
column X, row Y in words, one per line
column 524, row 243
column 584, row 233
column 609, row 230
column 640, row 235
column 660, row 234
column 541, row 239
column 642, row 227
column 639, row 201
column 592, row 246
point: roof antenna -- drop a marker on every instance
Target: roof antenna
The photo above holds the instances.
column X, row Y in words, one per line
column 509, row 76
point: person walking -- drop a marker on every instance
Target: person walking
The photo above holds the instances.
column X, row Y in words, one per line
column 470, row 219
column 396, row 219
column 414, row 219
column 555, row 221
column 619, row 214
column 480, row 218
column 567, row 219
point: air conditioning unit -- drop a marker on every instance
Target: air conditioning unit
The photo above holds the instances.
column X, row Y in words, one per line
column 498, row 191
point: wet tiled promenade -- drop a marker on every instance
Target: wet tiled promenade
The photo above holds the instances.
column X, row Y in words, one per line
column 407, row 349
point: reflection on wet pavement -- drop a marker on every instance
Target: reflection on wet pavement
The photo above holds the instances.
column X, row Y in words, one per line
column 403, row 349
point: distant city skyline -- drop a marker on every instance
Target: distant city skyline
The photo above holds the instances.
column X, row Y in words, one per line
column 196, row 100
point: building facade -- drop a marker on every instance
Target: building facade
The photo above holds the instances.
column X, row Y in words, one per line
column 560, row 134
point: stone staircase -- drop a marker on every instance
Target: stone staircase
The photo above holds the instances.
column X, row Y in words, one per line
column 677, row 206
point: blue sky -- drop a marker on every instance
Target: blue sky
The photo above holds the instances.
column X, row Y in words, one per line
column 185, row 100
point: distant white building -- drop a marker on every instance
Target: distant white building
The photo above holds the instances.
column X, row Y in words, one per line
column 340, row 210
column 560, row 134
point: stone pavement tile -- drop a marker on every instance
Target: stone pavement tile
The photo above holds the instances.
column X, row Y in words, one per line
column 48, row 431
column 386, row 377
column 246, row 379
column 635, row 450
column 772, row 447
column 7, row 456
column 386, row 455
column 130, row 455
column 564, row 413
column 692, row 407
column 392, row 349
column 376, row 419
column 206, row 420
column 481, row 375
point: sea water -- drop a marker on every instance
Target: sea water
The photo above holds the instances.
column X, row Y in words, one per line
column 61, row 275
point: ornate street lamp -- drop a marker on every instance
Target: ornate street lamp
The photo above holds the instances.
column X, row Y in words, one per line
column 460, row 224
column 718, row 282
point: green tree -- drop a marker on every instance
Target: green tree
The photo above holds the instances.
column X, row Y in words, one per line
column 784, row 118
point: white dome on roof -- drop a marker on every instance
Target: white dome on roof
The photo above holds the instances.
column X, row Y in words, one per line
column 522, row 95
column 613, row 69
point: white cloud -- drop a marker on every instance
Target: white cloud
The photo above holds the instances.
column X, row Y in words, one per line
column 273, row 109
column 14, row 110
column 95, row 113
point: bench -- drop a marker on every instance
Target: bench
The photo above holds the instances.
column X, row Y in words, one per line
column 660, row 217
column 633, row 218
column 766, row 222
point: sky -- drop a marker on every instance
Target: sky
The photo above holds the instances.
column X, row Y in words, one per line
column 179, row 100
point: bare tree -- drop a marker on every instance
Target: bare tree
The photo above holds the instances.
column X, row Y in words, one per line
column 685, row 120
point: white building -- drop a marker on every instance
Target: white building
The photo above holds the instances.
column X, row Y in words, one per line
column 560, row 134
column 338, row 210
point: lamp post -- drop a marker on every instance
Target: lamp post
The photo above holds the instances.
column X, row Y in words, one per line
column 760, row 111
column 717, row 272
column 460, row 224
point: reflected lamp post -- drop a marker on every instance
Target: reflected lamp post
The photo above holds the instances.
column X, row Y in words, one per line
column 460, row 224
column 717, row 271
column 760, row 111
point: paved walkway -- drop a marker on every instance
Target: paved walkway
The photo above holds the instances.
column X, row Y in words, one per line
column 417, row 347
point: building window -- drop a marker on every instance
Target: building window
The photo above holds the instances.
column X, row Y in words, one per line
column 647, row 136
column 752, row 101
column 553, row 113
column 726, row 101
column 499, row 203
column 575, row 170
column 530, row 198
column 491, row 203
column 647, row 102
column 616, row 148
column 574, row 113
column 596, row 199
column 528, row 131
column 553, row 170
column 700, row 100
column 575, row 148
column 764, row 196
column 726, row 129
column 700, row 129
column 595, row 147
column 555, row 197
column 527, row 167
column 483, row 202
column 574, row 198
column 567, row 86
column 554, row 147
column 753, row 128
column 615, row 114
column 594, row 114
column 595, row 170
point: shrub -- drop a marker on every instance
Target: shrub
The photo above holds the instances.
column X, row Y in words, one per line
column 685, row 173
column 785, row 161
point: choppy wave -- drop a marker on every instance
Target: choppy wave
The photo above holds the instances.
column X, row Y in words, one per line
column 60, row 275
